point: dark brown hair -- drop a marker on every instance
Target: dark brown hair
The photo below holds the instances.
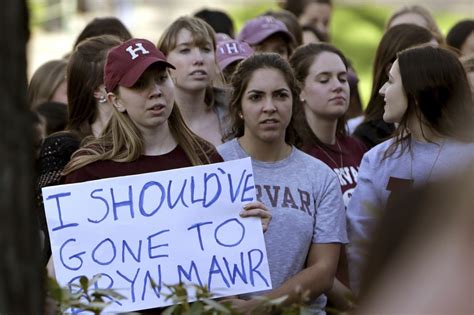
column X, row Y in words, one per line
column 438, row 94
column 240, row 80
column 104, row 26
column 301, row 62
column 84, row 76
column 396, row 39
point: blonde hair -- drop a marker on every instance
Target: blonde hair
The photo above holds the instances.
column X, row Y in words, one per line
column 201, row 32
column 425, row 14
column 121, row 141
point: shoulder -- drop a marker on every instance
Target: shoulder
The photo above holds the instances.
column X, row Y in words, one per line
column 310, row 163
column 61, row 142
column 229, row 150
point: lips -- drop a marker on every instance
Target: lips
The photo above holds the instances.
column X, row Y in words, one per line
column 338, row 98
column 158, row 108
column 269, row 122
column 198, row 73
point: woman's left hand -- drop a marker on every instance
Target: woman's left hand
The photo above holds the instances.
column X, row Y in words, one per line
column 257, row 209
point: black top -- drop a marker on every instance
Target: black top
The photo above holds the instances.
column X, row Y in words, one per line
column 374, row 132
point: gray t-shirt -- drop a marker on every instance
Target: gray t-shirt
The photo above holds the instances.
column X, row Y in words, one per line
column 305, row 200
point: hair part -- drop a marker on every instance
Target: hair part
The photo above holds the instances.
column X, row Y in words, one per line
column 301, row 61
column 240, row 80
column 202, row 34
column 425, row 14
column 438, row 94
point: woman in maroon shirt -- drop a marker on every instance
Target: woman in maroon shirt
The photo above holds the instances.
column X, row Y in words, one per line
column 321, row 70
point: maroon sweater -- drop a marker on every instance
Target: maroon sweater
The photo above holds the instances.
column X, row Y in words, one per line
column 174, row 159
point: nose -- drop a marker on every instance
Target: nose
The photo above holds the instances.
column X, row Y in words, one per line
column 269, row 106
column 155, row 91
column 198, row 59
column 338, row 85
column 382, row 89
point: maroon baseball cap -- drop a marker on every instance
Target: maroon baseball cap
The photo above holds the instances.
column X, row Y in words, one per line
column 260, row 28
column 126, row 63
column 231, row 50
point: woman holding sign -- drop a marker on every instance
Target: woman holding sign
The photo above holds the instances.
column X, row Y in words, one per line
column 308, row 220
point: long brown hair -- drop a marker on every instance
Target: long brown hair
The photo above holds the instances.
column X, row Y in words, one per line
column 396, row 39
column 301, row 62
column 438, row 94
column 84, row 76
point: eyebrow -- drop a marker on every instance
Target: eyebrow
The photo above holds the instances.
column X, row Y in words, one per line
column 329, row 73
column 262, row 92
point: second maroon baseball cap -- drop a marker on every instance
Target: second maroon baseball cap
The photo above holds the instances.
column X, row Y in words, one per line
column 127, row 62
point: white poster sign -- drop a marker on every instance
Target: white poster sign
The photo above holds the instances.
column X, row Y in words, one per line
column 163, row 228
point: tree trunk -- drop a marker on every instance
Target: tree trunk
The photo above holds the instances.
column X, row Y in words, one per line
column 21, row 281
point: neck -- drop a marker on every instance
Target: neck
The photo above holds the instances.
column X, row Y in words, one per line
column 191, row 104
column 104, row 111
column 264, row 151
column 158, row 141
column 421, row 132
column 324, row 129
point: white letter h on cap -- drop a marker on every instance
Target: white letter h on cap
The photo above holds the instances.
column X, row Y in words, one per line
column 134, row 52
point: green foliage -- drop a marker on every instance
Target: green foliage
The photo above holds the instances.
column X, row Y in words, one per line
column 355, row 29
column 84, row 298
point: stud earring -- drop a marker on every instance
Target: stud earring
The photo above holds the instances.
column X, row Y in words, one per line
column 241, row 115
column 102, row 100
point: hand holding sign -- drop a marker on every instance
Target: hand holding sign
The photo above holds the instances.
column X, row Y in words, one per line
column 163, row 228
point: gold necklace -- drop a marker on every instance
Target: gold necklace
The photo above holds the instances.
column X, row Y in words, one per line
column 330, row 157
column 432, row 166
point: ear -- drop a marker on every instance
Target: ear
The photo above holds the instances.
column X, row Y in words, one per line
column 99, row 92
column 302, row 95
column 112, row 98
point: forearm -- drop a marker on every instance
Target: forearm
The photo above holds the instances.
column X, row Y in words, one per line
column 315, row 280
column 341, row 297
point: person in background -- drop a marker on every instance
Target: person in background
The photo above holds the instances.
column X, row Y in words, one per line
column 314, row 13
column 104, row 26
column 291, row 23
column 468, row 63
column 229, row 54
column 268, row 34
column 311, row 35
column 54, row 115
column 373, row 129
column 461, row 37
column 304, row 196
column 88, row 113
column 220, row 21
column 322, row 71
column 428, row 95
column 417, row 15
column 189, row 44
column 48, row 83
